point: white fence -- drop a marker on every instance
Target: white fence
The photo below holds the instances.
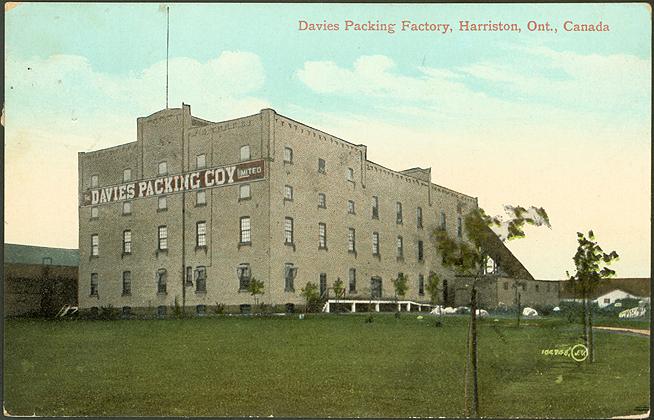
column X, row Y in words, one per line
column 400, row 303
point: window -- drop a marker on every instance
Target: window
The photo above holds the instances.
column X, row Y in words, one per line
column 421, row 255
column 506, row 285
column 162, row 276
column 288, row 230
column 322, row 201
column 94, row 181
column 163, row 203
column 95, row 245
column 127, row 242
column 350, row 174
column 127, row 207
column 189, row 276
column 288, row 155
column 400, row 247
column 524, row 287
column 46, row 261
column 375, row 243
column 201, row 279
column 163, row 237
column 201, row 234
column 94, row 284
column 243, row 274
column 245, row 230
column 245, row 153
column 201, row 310
column 322, row 236
column 244, row 191
column 94, row 212
column 607, row 300
column 459, row 227
column 201, row 198
column 537, row 287
column 323, row 284
column 419, row 217
column 353, row 280
column 421, row 285
column 127, row 283
column 351, row 240
column 289, row 277
column 127, row 175
column 375, row 207
column 350, row 207
column 163, row 168
column 443, row 221
column 201, row 161
column 288, row 193
column 321, row 166
column 398, row 212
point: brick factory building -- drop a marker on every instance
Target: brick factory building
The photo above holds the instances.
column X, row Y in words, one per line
column 193, row 209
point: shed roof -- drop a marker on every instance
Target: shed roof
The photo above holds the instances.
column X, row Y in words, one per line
column 29, row 254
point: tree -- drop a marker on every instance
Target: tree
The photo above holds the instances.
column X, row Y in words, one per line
column 591, row 264
column 517, row 285
column 339, row 287
column 468, row 258
column 310, row 294
column 401, row 285
column 433, row 287
column 255, row 288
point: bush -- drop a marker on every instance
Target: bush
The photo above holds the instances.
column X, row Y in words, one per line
column 108, row 312
column 219, row 309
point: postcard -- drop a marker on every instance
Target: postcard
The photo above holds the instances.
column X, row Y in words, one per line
column 327, row 210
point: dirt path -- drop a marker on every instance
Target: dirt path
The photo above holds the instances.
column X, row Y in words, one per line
column 622, row 329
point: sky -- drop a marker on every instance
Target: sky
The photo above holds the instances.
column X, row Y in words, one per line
column 560, row 120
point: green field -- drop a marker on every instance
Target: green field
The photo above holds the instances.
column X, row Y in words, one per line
column 324, row 365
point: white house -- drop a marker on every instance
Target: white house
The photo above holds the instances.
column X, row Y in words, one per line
column 611, row 297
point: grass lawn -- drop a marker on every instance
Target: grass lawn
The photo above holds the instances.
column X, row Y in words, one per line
column 324, row 365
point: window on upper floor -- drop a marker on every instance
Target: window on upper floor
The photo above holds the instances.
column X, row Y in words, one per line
column 244, row 192
column 201, row 234
column 350, row 207
column 421, row 255
column 288, row 155
column 245, row 153
column 127, row 242
column 459, row 227
column 351, row 240
column 288, row 230
column 322, row 166
column 398, row 212
column 127, row 207
column 322, row 200
column 95, row 245
column 163, row 168
column 162, row 237
column 443, row 224
column 322, row 236
column 288, row 193
column 94, row 181
column 350, row 174
column 162, row 203
column 245, row 232
column 419, row 217
column 127, row 175
column 375, row 207
column 201, row 161
column 375, row 243
column 94, row 212
column 200, row 198
column 400, row 247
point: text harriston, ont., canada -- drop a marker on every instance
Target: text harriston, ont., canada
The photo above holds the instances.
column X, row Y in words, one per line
column 170, row 184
